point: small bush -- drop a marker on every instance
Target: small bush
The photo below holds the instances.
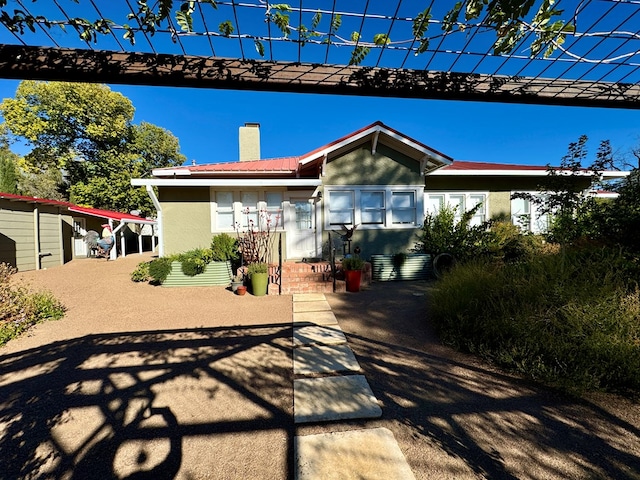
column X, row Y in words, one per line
column 571, row 320
column 352, row 263
column 194, row 261
column 258, row 267
column 160, row 268
column 21, row 309
column 224, row 248
column 141, row 273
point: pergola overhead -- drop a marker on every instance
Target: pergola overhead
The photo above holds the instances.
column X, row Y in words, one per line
column 363, row 47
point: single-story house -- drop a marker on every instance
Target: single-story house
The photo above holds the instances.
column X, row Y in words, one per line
column 376, row 179
column 40, row 233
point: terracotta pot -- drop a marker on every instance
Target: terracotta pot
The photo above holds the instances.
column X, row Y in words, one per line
column 241, row 290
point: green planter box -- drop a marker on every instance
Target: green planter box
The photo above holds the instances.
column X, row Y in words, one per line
column 417, row 266
column 215, row 273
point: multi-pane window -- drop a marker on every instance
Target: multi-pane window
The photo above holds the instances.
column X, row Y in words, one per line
column 341, row 208
column 373, row 207
column 521, row 213
column 242, row 209
column 480, row 215
column 403, row 208
column 249, row 202
column 372, row 210
column 224, row 202
column 273, row 208
column 527, row 215
column 461, row 203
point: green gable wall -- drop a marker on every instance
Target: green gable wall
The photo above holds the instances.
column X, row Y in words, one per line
column 186, row 216
column 361, row 167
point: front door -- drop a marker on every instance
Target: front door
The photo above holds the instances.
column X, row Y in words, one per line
column 79, row 231
column 301, row 231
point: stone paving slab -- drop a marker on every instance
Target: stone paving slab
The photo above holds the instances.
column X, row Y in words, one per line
column 370, row 454
column 319, row 318
column 315, row 306
column 333, row 398
column 317, row 334
column 324, row 359
column 308, row 297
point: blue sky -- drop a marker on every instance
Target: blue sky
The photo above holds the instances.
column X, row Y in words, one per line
column 207, row 122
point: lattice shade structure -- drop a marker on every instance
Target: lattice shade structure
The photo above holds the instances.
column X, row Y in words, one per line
column 391, row 48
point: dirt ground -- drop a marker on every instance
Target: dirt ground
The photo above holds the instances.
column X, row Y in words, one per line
column 145, row 382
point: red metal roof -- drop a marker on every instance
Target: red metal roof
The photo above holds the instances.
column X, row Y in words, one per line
column 274, row 165
column 94, row 212
column 465, row 165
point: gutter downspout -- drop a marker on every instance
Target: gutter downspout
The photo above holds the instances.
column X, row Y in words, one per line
column 156, row 204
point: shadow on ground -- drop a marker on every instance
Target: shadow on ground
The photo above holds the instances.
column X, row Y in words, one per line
column 457, row 418
column 212, row 403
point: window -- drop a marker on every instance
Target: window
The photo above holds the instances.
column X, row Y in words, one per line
column 341, row 208
column 225, row 210
column 480, row 215
column 521, row 213
column 249, row 209
column 233, row 209
column 372, row 208
column 274, row 208
column 461, row 202
column 526, row 214
column 403, row 208
column 457, row 202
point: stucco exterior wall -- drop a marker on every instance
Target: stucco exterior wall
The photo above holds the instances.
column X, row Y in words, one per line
column 186, row 216
column 373, row 242
column 361, row 167
column 499, row 205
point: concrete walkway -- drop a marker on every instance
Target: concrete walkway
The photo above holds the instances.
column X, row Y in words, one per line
column 327, row 388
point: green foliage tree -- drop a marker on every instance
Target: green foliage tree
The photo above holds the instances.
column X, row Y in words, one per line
column 9, row 173
column 564, row 193
column 86, row 131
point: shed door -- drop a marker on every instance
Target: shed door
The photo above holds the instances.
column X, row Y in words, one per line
column 79, row 231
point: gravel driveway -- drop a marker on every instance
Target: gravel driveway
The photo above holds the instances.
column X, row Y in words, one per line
column 148, row 382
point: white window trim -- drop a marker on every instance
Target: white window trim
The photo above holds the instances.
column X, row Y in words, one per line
column 238, row 207
column 388, row 224
column 467, row 196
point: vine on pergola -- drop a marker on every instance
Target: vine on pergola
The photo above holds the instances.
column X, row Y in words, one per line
column 512, row 21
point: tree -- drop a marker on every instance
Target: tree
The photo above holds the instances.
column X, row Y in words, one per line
column 9, row 173
column 86, row 131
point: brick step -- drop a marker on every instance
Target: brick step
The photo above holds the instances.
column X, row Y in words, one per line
column 289, row 288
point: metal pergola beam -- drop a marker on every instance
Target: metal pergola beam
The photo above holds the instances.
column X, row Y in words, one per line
column 43, row 63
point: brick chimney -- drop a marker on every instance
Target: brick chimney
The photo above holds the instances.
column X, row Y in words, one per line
column 249, row 142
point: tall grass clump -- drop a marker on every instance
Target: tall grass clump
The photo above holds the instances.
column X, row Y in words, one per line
column 20, row 309
column 570, row 319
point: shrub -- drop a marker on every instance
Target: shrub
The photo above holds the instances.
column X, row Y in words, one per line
column 352, row 263
column 194, row 261
column 20, row 309
column 141, row 273
column 569, row 319
column 160, row 268
column 224, row 248
column 441, row 233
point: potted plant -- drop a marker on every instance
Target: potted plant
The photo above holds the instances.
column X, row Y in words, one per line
column 259, row 277
column 236, row 282
column 352, row 267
